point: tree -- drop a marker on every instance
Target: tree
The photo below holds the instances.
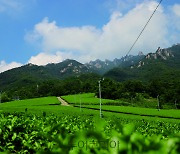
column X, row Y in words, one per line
column 4, row 97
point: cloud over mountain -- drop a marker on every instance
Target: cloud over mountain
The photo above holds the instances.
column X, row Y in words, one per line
column 112, row 40
column 5, row 66
column 46, row 58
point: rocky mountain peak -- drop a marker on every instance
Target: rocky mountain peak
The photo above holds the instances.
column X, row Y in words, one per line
column 140, row 53
column 30, row 65
column 160, row 54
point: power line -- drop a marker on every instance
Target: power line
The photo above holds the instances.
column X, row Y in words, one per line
column 144, row 28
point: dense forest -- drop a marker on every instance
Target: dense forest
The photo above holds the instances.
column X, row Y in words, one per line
column 166, row 91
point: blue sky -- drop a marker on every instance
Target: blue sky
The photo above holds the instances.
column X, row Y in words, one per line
column 41, row 32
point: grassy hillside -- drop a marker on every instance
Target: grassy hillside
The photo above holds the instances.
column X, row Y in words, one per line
column 87, row 98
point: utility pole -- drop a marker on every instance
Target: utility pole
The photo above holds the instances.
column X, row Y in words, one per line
column 80, row 94
column 158, row 102
column 80, row 101
column 100, row 111
column 100, row 101
column 175, row 103
column 0, row 96
column 37, row 88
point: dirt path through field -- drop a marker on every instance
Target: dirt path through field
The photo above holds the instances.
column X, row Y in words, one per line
column 63, row 102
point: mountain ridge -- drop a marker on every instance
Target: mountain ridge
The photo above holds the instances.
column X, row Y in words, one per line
column 164, row 62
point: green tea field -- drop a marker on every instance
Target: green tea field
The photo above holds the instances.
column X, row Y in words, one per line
column 86, row 99
column 44, row 125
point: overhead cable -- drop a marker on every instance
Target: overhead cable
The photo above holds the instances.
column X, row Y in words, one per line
column 144, row 28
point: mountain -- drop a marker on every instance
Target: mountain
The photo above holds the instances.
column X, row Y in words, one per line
column 102, row 67
column 164, row 64
column 29, row 74
column 67, row 68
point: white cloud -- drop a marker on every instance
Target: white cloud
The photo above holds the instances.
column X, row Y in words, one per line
column 9, row 5
column 4, row 66
column 176, row 9
column 14, row 7
column 44, row 58
column 174, row 22
column 121, row 5
column 113, row 40
column 54, row 37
